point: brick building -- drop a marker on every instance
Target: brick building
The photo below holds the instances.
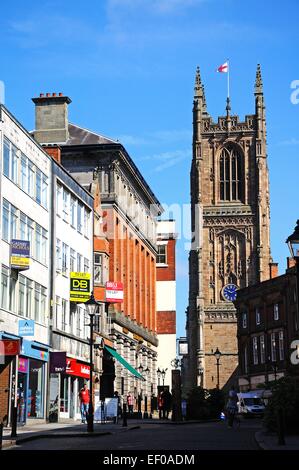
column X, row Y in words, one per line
column 166, row 298
column 268, row 322
column 129, row 222
column 230, row 227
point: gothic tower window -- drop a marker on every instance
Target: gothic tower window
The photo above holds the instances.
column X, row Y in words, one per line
column 230, row 175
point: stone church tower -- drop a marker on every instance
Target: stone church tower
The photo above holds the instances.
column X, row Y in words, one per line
column 230, row 225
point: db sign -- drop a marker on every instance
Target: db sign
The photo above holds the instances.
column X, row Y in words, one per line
column 114, row 292
column 80, row 287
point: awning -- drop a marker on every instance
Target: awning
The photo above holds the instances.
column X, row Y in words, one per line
column 123, row 362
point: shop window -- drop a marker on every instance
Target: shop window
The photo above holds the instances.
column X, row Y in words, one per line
column 35, row 389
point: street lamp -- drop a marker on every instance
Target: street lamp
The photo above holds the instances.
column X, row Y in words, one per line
column 93, row 308
column 161, row 374
column 217, row 355
column 293, row 243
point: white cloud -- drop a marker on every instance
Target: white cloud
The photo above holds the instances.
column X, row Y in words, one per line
column 157, row 137
column 292, row 141
column 168, row 159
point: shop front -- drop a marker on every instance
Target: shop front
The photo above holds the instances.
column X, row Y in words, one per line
column 77, row 374
column 32, row 381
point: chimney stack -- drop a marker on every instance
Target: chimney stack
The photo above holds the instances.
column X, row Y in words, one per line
column 51, row 118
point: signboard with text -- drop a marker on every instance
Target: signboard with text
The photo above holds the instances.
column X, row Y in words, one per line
column 9, row 347
column 57, row 362
column 80, row 287
column 114, row 292
column 26, row 327
column 20, row 254
column 76, row 368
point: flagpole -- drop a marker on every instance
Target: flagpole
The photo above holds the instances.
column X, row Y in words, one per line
column 228, row 66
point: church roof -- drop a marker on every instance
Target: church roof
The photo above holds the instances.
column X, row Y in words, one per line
column 81, row 136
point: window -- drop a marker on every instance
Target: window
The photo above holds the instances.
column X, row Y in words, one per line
column 79, row 217
column 58, row 255
column 79, row 263
column 257, row 316
column 38, row 182
column 57, row 318
column 44, row 191
column 65, row 205
column 37, row 302
column 162, row 258
column 79, row 329
column 12, row 293
column 73, row 211
column 30, row 181
column 44, row 246
column 230, row 175
column 38, row 242
column 255, row 351
column 64, row 315
column 72, row 260
column 273, row 347
column 244, row 320
column 86, row 222
column 29, row 295
column 24, row 168
column 6, row 157
column 59, row 200
column 276, row 311
column 5, row 220
column 22, row 296
column 43, row 304
column 65, row 252
column 86, row 265
column 262, row 348
column 281, row 346
column 15, row 165
column 98, row 268
column 13, row 222
column 4, row 287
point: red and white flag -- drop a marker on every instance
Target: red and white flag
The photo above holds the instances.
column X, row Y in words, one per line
column 223, row 68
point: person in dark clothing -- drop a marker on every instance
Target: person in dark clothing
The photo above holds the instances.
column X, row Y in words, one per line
column 167, row 404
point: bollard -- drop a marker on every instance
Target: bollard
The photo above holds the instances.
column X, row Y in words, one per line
column 125, row 415
column 281, row 439
column 14, row 416
column 1, row 434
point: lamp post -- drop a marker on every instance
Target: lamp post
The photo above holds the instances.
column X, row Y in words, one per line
column 92, row 308
column 293, row 243
column 217, row 355
column 200, row 373
column 163, row 374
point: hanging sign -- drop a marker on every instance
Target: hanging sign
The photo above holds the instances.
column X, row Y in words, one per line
column 80, row 287
column 19, row 254
column 114, row 292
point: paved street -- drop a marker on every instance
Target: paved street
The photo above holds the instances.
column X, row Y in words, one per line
column 156, row 436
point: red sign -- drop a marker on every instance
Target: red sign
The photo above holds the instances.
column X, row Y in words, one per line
column 73, row 367
column 9, row 347
column 114, row 292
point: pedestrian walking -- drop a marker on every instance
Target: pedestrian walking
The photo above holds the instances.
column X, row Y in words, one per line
column 161, row 404
column 130, row 402
column 84, row 402
column 232, row 406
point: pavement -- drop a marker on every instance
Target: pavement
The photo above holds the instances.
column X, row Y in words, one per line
column 71, row 428
column 269, row 441
column 75, row 429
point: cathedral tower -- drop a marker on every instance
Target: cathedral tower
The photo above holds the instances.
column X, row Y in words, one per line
column 230, row 225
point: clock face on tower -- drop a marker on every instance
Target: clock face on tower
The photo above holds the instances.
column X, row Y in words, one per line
column 229, row 292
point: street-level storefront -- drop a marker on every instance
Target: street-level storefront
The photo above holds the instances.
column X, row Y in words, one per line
column 77, row 374
column 32, row 381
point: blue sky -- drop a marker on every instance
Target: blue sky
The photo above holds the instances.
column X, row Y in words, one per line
column 129, row 66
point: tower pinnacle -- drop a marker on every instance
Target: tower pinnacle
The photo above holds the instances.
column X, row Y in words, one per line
column 198, row 89
column 258, row 80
